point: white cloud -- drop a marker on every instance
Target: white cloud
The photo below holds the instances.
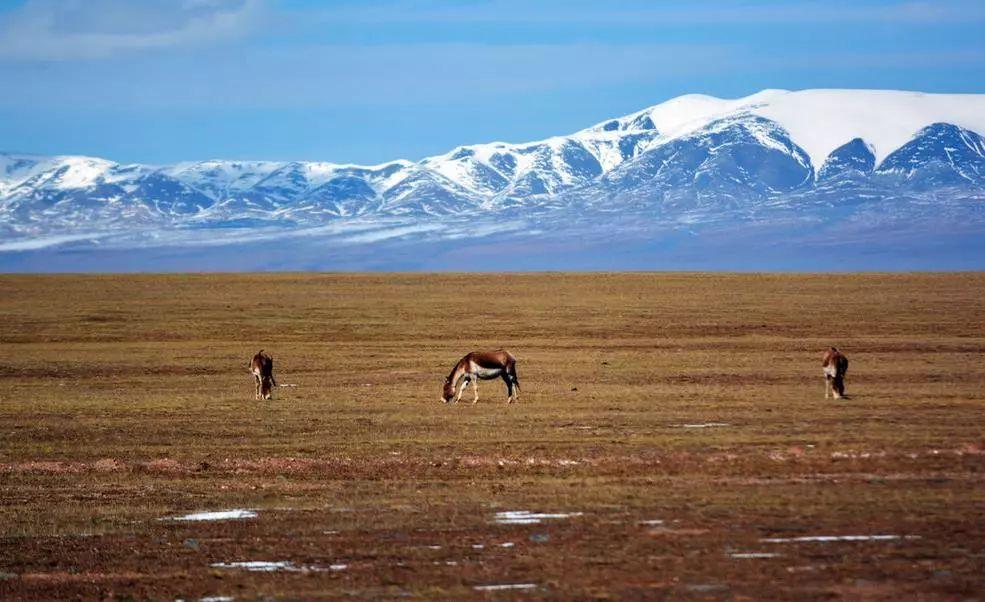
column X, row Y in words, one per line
column 666, row 13
column 322, row 76
column 77, row 29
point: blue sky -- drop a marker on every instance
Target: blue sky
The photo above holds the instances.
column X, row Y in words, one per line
column 359, row 81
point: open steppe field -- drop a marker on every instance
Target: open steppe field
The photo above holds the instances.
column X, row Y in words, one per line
column 672, row 429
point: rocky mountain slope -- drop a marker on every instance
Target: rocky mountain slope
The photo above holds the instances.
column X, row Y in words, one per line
column 693, row 162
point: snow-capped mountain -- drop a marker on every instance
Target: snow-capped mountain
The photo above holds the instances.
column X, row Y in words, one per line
column 689, row 163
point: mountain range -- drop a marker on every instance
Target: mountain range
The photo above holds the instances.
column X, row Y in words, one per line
column 812, row 179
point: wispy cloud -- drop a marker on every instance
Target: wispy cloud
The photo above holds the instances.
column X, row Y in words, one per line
column 339, row 75
column 664, row 13
column 87, row 29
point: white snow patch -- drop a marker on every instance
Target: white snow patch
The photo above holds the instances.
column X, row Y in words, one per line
column 78, row 172
column 819, row 121
column 686, row 113
column 525, row 517
column 235, row 514
column 396, row 232
column 504, row 586
column 830, row 538
column 703, row 425
column 259, row 566
column 32, row 244
column 265, row 566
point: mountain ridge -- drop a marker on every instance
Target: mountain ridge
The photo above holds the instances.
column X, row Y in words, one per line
column 693, row 161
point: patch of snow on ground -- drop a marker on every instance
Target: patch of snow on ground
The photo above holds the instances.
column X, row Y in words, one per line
column 235, row 514
column 703, row 425
column 829, row 538
column 525, row 517
column 265, row 566
column 504, row 586
column 259, row 566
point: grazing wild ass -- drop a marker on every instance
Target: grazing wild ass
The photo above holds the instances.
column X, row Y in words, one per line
column 835, row 366
column 262, row 368
column 485, row 365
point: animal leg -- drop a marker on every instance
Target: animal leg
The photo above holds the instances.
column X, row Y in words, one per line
column 461, row 389
column 257, row 383
column 475, row 389
column 827, row 387
column 510, row 387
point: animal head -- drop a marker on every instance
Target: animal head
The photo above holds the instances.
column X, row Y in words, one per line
column 448, row 390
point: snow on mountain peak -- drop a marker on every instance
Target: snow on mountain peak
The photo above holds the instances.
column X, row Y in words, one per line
column 690, row 147
column 822, row 120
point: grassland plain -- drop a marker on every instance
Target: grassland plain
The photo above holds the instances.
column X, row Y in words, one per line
column 677, row 420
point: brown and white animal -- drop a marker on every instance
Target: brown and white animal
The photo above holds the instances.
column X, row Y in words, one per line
column 262, row 368
column 484, row 365
column 835, row 366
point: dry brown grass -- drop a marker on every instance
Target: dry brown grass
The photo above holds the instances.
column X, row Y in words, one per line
column 126, row 399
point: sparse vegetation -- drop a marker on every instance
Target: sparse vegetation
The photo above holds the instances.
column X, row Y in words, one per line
column 126, row 399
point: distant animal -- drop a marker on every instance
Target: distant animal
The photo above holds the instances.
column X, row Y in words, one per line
column 835, row 366
column 262, row 368
column 484, row 365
